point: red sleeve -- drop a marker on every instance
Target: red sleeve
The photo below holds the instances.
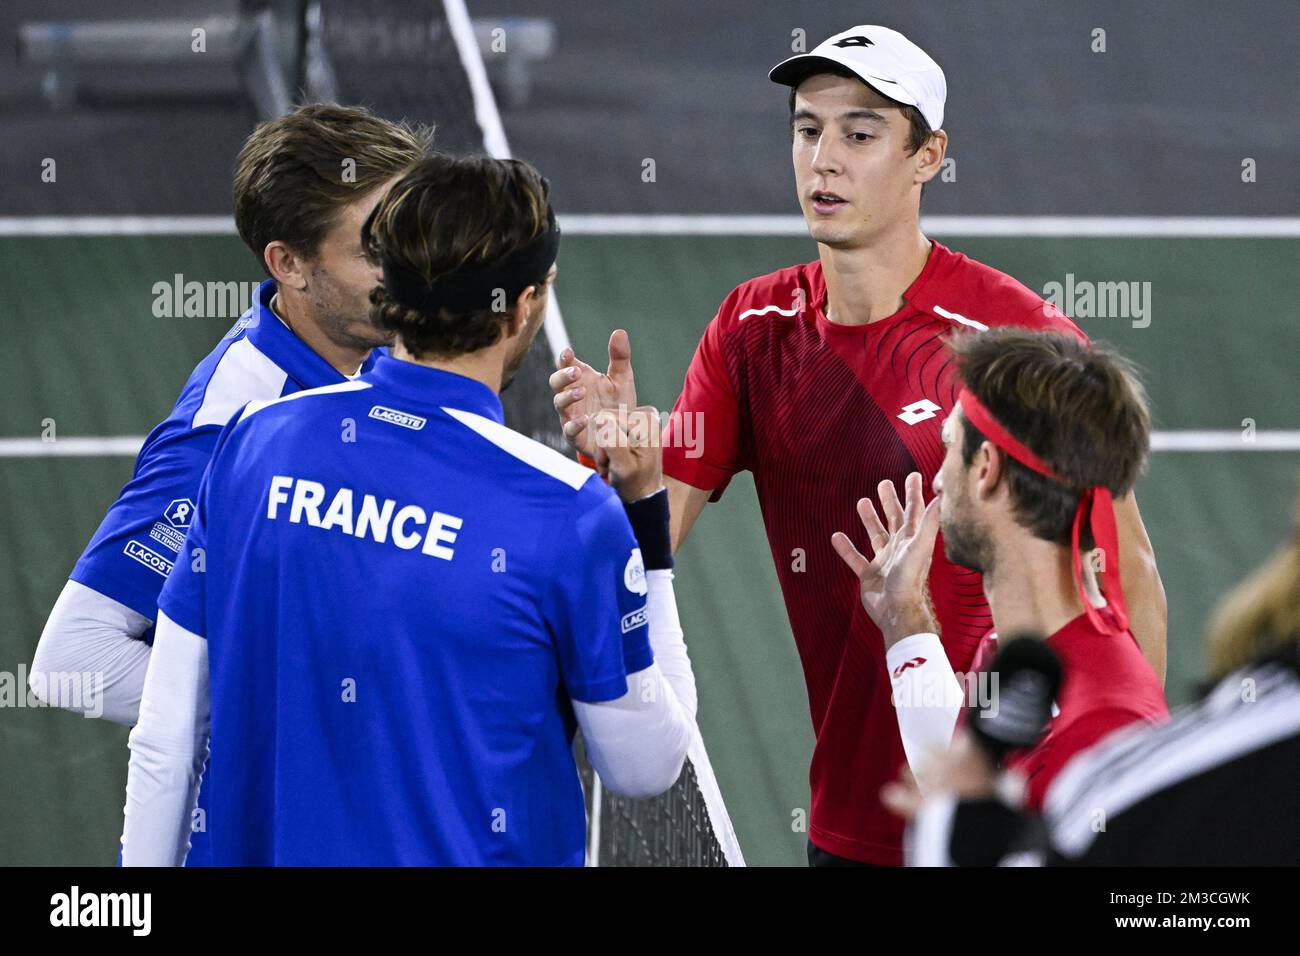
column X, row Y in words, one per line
column 1043, row 764
column 1046, row 317
column 702, row 440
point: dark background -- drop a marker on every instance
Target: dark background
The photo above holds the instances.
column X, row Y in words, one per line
column 1039, row 124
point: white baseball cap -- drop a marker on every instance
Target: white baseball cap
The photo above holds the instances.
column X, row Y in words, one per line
column 884, row 59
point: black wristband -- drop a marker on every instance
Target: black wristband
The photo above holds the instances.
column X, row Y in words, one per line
column 649, row 519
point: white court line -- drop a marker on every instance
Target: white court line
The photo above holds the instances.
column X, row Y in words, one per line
column 471, row 58
column 494, row 139
column 1188, row 227
column 1225, row 441
column 23, row 226
column 1166, row 227
column 111, row 446
column 1183, row 440
column 1172, row 227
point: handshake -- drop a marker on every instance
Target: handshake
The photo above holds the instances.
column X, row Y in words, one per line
column 603, row 422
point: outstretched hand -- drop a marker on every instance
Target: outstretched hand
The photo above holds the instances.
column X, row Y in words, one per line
column 892, row 583
column 581, row 392
column 628, row 452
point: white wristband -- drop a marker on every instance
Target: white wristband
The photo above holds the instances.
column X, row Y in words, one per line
column 927, row 697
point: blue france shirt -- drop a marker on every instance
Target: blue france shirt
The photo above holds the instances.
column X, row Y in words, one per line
column 401, row 596
column 133, row 551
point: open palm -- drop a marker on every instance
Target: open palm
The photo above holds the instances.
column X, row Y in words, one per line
column 892, row 584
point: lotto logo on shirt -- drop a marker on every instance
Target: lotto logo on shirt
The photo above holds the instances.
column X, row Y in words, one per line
column 408, row 525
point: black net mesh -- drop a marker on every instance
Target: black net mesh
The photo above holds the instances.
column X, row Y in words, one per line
column 673, row 829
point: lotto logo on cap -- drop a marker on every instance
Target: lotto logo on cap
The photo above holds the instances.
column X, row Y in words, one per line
column 884, row 59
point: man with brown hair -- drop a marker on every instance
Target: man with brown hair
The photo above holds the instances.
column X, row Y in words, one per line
column 1214, row 786
column 1045, row 434
column 471, row 654
column 304, row 184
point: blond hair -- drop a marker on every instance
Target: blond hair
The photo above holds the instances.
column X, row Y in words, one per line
column 1261, row 614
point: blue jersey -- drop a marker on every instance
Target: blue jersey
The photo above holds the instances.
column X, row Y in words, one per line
column 136, row 545
column 401, row 596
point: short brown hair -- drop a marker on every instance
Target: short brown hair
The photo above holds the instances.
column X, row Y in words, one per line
column 290, row 180
column 448, row 213
column 1079, row 407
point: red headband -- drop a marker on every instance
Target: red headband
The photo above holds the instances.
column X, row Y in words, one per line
column 1095, row 501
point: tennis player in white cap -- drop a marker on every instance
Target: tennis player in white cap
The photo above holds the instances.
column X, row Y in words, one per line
column 829, row 381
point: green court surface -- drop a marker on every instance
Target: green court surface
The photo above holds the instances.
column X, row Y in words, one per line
column 84, row 349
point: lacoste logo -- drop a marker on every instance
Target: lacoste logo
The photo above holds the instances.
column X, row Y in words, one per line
column 394, row 417
column 634, row 619
column 148, row 557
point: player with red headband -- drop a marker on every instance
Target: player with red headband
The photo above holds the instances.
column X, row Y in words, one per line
column 1045, row 434
column 825, row 379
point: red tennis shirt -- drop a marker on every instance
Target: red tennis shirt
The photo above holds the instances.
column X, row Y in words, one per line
column 820, row 413
column 1106, row 684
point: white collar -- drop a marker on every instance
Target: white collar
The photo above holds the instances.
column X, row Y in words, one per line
column 276, row 312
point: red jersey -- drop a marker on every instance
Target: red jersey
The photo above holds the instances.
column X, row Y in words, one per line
column 1107, row 684
column 821, row 413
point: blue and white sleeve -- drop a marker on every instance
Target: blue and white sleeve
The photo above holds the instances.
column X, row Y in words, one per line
column 139, row 540
column 596, row 607
column 184, row 596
